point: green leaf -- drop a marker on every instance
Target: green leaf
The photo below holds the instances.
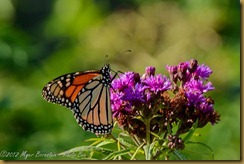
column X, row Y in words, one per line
column 169, row 129
column 148, row 149
column 155, row 116
column 153, row 148
column 139, row 118
column 86, row 152
column 179, row 155
column 96, row 140
column 190, row 133
column 93, row 139
column 127, row 143
column 105, row 142
column 155, row 135
column 205, row 145
column 137, row 150
column 116, row 154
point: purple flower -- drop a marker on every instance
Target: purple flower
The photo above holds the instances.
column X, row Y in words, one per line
column 124, row 91
column 134, row 94
column 125, row 80
column 117, row 104
column 203, row 71
column 150, row 71
column 186, row 71
column 206, row 107
column 198, row 85
column 182, row 67
column 198, row 100
column 171, row 69
column 195, row 97
column 130, row 91
column 157, row 83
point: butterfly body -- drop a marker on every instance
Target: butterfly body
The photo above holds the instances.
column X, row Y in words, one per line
column 87, row 95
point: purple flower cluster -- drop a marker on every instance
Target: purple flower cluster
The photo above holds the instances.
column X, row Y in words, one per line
column 164, row 101
column 131, row 90
column 193, row 78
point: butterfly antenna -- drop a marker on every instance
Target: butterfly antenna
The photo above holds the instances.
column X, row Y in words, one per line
column 105, row 58
column 126, row 51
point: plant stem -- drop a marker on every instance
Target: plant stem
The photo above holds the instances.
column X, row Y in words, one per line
column 123, row 146
column 148, row 140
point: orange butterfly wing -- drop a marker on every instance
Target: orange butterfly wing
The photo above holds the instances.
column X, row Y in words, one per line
column 64, row 89
column 87, row 95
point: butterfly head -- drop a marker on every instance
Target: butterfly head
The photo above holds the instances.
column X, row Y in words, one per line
column 105, row 71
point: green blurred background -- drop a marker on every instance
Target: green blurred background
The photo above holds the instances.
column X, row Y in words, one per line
column 42, row 39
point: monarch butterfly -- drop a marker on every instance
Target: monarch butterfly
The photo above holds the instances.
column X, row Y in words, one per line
column 87, row 95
